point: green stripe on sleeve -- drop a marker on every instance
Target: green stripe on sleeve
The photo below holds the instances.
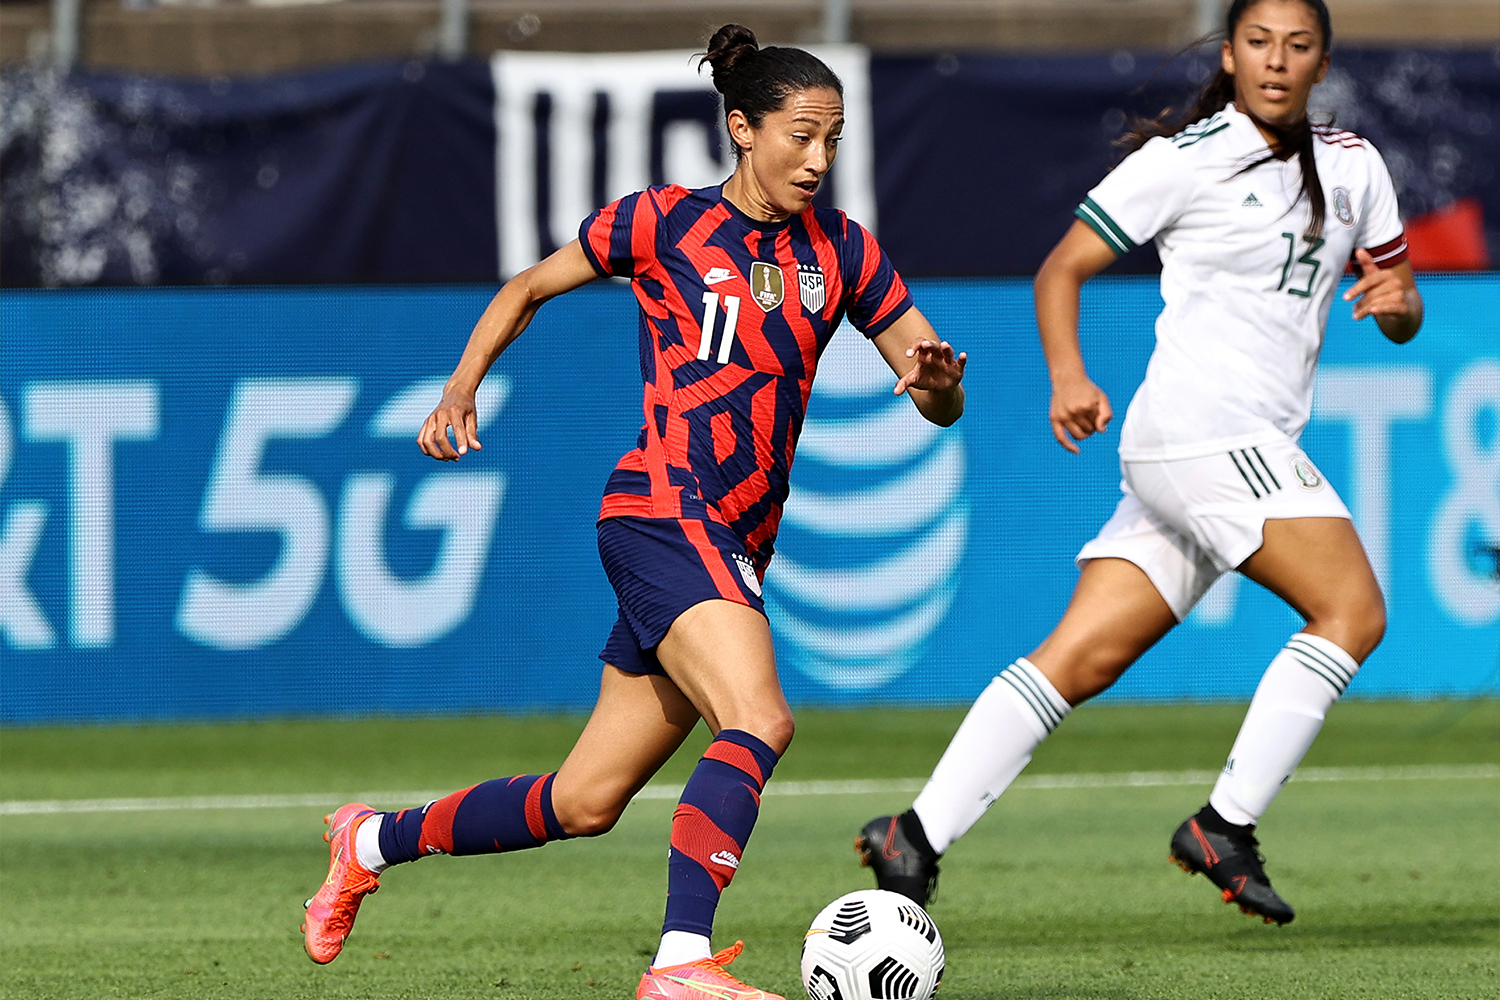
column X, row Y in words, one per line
column 1109, row 231
column 1186, row 139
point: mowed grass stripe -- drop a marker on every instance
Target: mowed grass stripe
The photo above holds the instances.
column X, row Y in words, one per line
column 1133, row 779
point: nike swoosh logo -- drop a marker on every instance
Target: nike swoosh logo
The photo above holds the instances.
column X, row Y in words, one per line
column 656, row 990
column 1210, row 856
column 338, row 853
column 885, row 849
column 716, row 275
column 723, row 992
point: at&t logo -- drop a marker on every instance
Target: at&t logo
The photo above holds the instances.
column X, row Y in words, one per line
column 874, row 530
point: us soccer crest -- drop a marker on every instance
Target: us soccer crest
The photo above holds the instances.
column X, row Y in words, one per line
column 810, row 287
column 767, row 286
column 747, row 573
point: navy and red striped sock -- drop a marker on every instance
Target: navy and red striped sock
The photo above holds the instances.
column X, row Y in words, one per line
column 712, row 823
column 507, row 814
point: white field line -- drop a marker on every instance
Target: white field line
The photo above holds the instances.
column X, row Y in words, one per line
column 905, row 786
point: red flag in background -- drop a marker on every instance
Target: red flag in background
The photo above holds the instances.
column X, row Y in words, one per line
column 1450, row 239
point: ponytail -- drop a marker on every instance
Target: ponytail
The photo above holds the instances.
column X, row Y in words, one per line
column 1297, row 140
column 1215, row 95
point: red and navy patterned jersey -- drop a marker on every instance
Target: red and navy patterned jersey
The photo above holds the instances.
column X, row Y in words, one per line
column 734, row 315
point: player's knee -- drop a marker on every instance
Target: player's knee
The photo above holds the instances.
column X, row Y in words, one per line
column 1089, row 680
column 1082, row 663
column 589, row 824
column 1357, row 623
column 767, row 721
column 588, row 817
column 1368, row 627
column 1375, row 625
column 776, row 731
column 1089, row 672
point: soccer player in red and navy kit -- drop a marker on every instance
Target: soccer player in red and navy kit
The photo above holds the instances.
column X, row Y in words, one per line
column 740, row 287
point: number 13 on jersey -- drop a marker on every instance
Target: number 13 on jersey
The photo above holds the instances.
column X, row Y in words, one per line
column 710, row 317
column 1313, row 246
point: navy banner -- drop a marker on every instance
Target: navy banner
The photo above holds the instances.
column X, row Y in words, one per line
column 377, row 173
column 981, row 160
column 439, row 172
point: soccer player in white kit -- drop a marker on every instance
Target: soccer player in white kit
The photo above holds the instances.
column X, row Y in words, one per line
column 1254, row 211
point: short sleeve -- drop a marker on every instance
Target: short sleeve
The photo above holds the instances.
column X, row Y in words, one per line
column 618, row 237
column 874, row 296
column 1145, row 194
column 1380, row 229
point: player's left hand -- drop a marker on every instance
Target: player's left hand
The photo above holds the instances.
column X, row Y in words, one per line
column 934, row 367
column 456, row 411
column 1379, row 292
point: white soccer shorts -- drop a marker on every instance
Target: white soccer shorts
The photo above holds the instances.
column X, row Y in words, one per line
column 1187, row 522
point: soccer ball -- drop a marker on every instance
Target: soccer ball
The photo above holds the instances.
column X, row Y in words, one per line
column 872, row 945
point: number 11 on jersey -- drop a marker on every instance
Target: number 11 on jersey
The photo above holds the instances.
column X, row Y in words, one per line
column 731, row 322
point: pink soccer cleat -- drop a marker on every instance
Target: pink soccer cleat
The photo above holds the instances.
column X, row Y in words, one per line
column 331, row 911
column 704, row 979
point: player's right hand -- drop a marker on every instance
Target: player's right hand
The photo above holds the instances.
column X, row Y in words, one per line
column 1079, row 408
column 456, row 411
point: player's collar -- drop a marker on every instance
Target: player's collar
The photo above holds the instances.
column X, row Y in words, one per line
column 756, row 224
column 1248, row 132
column 1243, row 125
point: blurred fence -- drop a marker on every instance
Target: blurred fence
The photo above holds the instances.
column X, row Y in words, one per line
column 211, row 505
column 438, row 172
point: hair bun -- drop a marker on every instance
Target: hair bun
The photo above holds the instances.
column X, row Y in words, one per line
column 730, row 46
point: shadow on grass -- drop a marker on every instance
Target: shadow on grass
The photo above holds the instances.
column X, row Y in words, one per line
column 1055, row 993
column 1443, row 930
column 1427, row 926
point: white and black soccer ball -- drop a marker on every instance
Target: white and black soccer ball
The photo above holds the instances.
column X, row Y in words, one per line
column 872, row 945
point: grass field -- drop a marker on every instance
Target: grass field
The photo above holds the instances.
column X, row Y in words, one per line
column 1060, row 892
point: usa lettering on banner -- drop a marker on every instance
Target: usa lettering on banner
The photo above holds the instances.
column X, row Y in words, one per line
column 574, row 132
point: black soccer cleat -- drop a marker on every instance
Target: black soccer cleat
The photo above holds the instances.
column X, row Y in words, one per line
column 897, row 850
column 1230, row 856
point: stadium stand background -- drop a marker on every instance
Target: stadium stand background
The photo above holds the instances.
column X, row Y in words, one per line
column 233, row 37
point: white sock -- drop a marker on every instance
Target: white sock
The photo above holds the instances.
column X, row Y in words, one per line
column 1008, row 720
column 367, row 844
column 1296, row 692
column 678, row 947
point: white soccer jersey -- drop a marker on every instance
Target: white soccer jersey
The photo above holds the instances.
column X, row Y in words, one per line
column 1246, row 293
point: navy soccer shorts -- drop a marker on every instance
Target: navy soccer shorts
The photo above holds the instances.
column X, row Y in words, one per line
column 659, row 568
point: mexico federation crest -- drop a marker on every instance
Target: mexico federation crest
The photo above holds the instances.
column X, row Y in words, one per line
column 810, row 287
column 1343, row 207
column 1307, row 475
column 766, row 285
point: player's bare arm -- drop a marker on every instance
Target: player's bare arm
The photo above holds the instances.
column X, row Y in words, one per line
column 504, row 319
column 1079, row 408
column 927, row 369
column 1390, row 295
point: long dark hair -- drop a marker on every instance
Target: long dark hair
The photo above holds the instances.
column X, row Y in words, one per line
column 756, row 81
column 1292, row 140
